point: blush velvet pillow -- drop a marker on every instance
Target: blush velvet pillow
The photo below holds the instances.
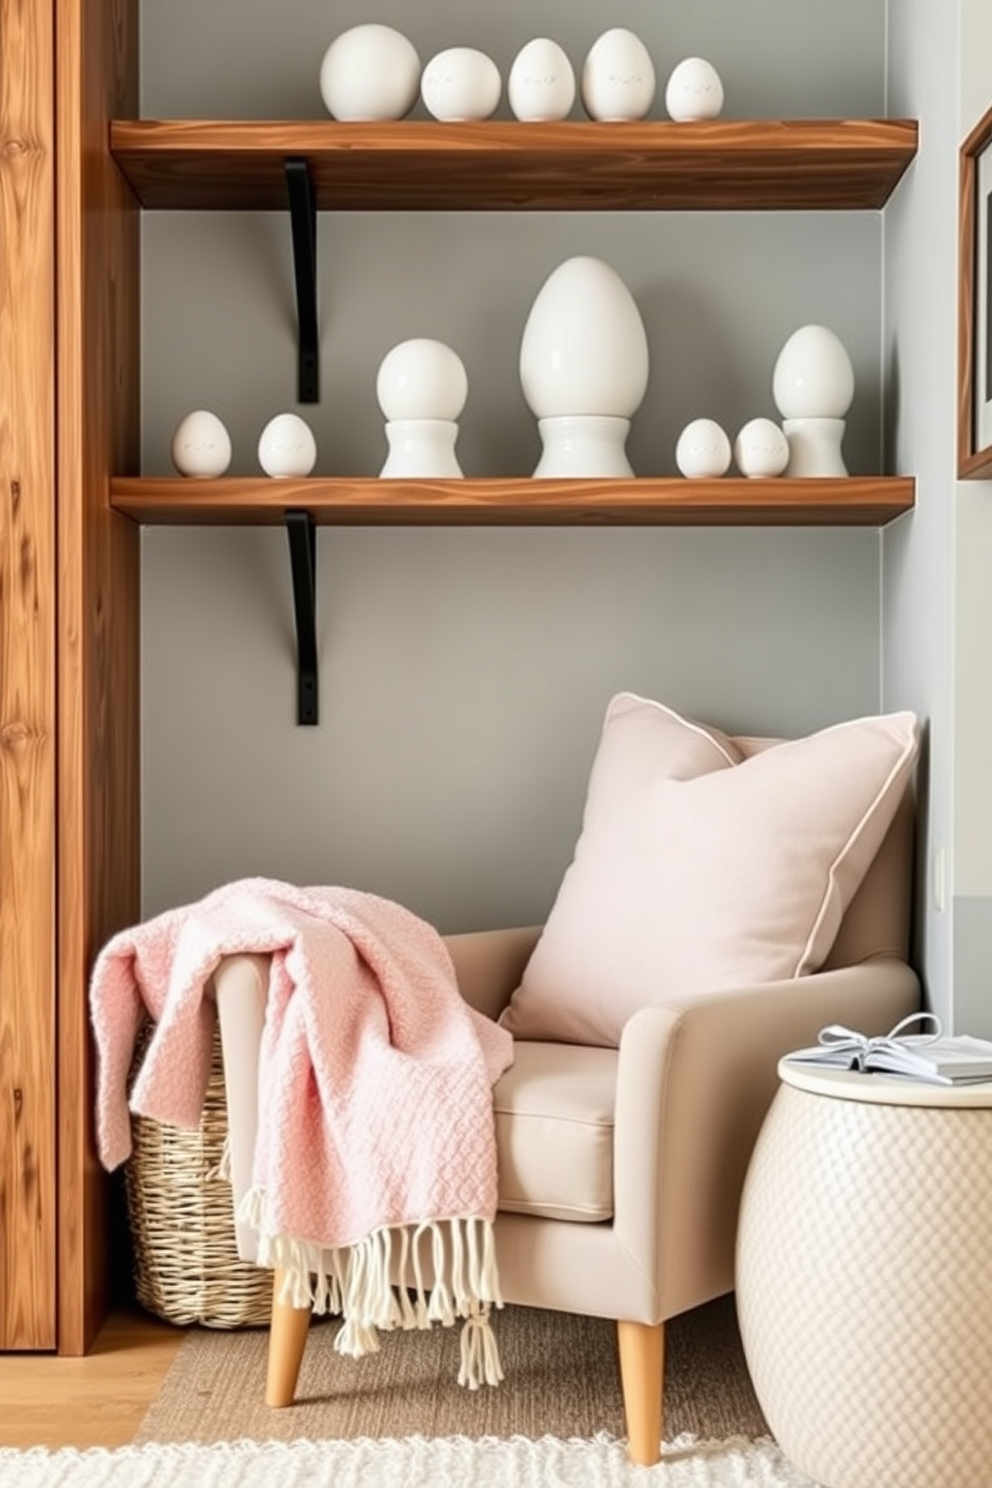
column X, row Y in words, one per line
column 698, row 868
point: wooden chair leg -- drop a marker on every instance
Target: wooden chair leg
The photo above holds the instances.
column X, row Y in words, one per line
column 642, row 1357
column 287, row 1340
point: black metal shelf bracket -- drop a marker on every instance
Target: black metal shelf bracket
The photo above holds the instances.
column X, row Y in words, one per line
column 303, row 219
column 303, row 562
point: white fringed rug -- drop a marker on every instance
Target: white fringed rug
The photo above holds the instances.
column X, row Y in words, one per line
column 448, row 1462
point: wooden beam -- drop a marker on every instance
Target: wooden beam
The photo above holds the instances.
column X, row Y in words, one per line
column 27, row 678
column 98, row 426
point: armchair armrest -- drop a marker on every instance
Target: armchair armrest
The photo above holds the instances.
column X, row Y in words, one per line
column 241, row 985
column 694, row 1082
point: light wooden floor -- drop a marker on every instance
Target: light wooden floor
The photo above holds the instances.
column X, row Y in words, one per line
column 97, row 1401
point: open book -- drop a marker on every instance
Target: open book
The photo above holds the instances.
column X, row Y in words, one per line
column 936, row 1058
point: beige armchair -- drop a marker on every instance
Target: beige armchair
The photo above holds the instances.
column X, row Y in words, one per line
column 620, row 1171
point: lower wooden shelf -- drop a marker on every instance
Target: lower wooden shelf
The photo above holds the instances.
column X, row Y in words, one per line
column 869, row 501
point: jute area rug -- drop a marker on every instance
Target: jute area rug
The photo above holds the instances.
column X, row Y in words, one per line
column 562, row 1380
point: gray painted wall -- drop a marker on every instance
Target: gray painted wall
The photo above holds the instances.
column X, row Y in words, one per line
column 464, row 673
column 261, row 58
column 937, row 625
column 719, row 294
column 972, row 881
column 920, row 351
column 463, row 682
column 972, row 963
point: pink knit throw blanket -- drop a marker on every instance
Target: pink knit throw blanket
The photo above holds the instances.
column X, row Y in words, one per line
column 375, row 1156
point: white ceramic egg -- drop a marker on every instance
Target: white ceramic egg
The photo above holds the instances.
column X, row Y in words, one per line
column 703, row 450
column 584, row 348
column 618, row 80
column 461, row 83
column 421, row 379
column 813, row 376
column 694, row 91
column 541, row 84
column 201, row 445
column 287, row 447
column 370, row 72
column 761, row 449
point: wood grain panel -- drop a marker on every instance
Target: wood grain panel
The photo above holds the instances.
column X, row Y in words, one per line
column 98, row 865
column 27, row 679
column 494, row 165
column 863, row 501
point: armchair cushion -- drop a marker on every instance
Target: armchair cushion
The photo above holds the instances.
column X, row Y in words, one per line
column 554, row 1132
column 700, row 868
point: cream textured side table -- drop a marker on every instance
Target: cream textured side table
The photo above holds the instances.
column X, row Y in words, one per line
column 864, row 1278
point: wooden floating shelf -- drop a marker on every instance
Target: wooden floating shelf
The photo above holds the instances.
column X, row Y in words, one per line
column 869, row 501
column 653, row 165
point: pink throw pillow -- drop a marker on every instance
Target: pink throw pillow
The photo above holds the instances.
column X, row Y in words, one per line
column 699, row 869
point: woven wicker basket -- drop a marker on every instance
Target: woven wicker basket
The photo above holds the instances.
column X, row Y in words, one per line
column 186, row 1263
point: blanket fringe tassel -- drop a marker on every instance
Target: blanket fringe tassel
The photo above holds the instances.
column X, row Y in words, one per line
column 378, row 1283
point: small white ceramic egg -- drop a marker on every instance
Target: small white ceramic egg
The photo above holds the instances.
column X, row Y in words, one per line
column 703, row 450
column 694, row 91
column 618, row 80
column 421, row 379
column 761, row 449
column 287, row 446
column 201, row 446
column 461, row 83
column 370, row 72
column 541, row 84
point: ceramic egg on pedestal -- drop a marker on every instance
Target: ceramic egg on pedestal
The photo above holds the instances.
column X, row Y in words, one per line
column 201, row 445
column 703, row 450
column 813, row 386
column 461, row 83
column 584, row 369
column 761, row 449
column 541, row 84
column 618, row 79
column 421, row 387
column 370, row 72
column 694, row 91
column 286, row 447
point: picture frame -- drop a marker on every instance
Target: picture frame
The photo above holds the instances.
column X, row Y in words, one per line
column 975, row 304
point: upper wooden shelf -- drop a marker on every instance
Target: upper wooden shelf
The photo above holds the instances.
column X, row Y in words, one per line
column 857, row 502
column 839, row 164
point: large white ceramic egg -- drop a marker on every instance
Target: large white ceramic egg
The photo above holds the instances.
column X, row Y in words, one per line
column 813, row 376
column 370, row 72
column 703, row 450
column 421, row 379
column 618, row 79
column 761, row 449
column 584, row 348
column 461, row 83
column 201, row 445
column 287, row 447
column 694, row 90
column 541, row 84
